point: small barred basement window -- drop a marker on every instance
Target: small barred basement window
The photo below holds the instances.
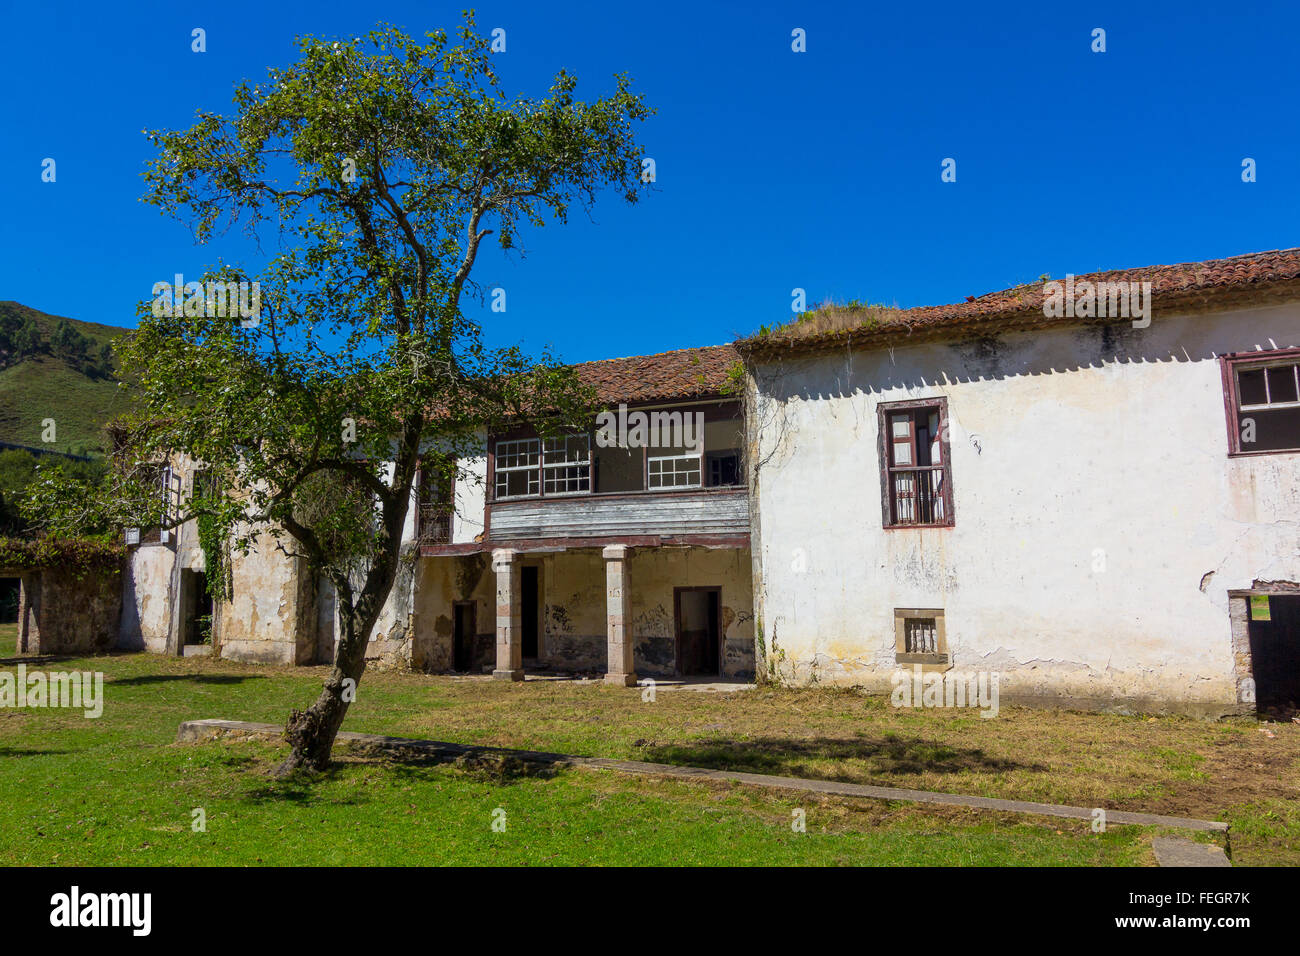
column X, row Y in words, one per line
column 920, row 636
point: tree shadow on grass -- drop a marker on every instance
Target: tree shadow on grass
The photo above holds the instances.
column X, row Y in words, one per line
column 29, row 752
column 193, row 678
column 483, row 766
column 404, row 765
column 303, row 789
column 887, row 755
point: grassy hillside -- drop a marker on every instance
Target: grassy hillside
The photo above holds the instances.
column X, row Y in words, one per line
column 45, row 376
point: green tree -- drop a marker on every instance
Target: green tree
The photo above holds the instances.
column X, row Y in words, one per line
column 69, row 344
column 28, row 340
column 381, row 165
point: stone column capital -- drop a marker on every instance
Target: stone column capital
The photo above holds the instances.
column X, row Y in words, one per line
column 615, row 552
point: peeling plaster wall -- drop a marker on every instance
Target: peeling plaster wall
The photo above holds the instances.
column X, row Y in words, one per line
column 390, row 638
column 1068, row 447
column 272, row 617
column 441, row 582
column 654, row 573
column 146, row 606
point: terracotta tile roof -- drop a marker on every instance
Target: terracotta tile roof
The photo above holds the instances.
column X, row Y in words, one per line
column 667, row 376
column 1188, row 287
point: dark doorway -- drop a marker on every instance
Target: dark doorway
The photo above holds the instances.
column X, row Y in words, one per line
column 528, row 612
column 1275, row 651
column 9, row 600
column 699, row 638
column 465, row 634
column 197, row 607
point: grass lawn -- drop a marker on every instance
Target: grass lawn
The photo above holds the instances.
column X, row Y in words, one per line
column 118, row 790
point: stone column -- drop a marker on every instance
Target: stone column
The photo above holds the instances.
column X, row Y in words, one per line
column 510, row 653
column 618, row 601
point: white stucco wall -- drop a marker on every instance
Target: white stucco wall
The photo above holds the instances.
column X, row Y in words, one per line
column 471, row 498
column 1064, row 444
column 146, row 604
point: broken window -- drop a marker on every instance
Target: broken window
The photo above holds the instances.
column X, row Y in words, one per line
column 724, row 468
column 1264, row 401
column 915, row 474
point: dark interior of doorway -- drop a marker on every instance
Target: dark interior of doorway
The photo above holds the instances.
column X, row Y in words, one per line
column 198, row 607
column 699, row 637
column 1275, row 654
column 466, row 625
column 528, row 611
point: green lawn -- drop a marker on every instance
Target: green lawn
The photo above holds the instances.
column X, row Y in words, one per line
column 119, row 790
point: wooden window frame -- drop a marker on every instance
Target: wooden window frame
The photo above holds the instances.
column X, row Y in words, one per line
column 428, row 512
column 884, row 438
column 1228, row 365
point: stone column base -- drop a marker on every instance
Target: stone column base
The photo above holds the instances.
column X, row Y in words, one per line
column 508, row 675
column 621, row 680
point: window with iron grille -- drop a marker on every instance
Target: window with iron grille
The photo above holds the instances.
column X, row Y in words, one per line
column 916, row 476
column 1262, row 395
column 436, row 497
column 919, row 636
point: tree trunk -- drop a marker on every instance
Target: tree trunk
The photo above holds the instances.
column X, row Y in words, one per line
column 312, row 731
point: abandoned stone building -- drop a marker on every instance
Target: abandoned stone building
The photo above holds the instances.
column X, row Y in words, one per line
column 1099, row 508
column 626, row 558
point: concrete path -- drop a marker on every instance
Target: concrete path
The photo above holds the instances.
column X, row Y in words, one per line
column 195, row 730
column 1171, row 851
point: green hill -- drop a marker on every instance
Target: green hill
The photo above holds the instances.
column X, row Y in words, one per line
column 59, row 368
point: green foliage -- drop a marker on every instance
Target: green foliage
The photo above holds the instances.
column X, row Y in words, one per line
column 735, row 383
column 19, row 468
column 380, row 165
column 73, row 554
column 92, row 503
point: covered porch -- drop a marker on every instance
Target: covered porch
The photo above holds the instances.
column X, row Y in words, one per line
column 623, row 609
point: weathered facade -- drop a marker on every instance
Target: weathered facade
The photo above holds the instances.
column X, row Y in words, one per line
column 605, row 551
column 1104, row 512
column 1074, row 506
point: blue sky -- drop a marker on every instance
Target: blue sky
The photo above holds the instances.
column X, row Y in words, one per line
column 776, row 170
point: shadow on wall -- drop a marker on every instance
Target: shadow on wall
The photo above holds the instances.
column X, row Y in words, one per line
column 1030, row 353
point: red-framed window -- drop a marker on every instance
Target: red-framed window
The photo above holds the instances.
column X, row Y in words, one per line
column 915, row 470
column 1261, row 395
